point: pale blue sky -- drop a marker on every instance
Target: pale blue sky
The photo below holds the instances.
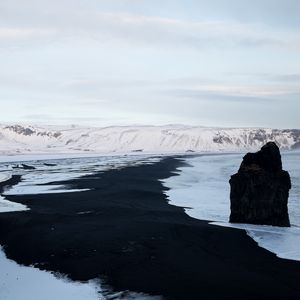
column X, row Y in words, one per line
column 212, row 63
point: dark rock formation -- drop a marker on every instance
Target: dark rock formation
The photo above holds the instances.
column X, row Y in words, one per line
column 20, row 130
column 27, row 167
column 49, row 165
column 24, row 166
column 260, row 189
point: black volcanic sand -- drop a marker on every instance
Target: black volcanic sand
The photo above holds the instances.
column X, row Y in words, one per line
column 125, row 232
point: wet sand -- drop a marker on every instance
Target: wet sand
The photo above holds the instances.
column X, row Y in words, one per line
column 124, row 231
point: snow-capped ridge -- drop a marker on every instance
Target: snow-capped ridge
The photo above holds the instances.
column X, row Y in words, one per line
column 168, row 138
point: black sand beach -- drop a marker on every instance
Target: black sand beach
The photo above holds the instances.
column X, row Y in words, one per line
column 124, row 231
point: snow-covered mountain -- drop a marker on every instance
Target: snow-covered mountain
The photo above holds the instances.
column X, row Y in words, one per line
column 170, row 138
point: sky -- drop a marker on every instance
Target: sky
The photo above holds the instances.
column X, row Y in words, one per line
column 232, row 63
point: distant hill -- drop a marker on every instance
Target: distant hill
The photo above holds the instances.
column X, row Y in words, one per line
column 169, row 138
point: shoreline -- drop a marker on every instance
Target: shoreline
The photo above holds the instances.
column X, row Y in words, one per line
column 13, row 180
column 29, row 157
column 125, row 232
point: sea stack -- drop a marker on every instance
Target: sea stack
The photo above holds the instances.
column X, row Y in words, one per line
column 260, row 190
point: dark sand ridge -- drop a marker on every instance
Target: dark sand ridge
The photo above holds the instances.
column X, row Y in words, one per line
column 134, row 240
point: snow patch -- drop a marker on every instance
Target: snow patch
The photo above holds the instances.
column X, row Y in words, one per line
column 4, row 177
column 46, row 189
column 27, row 283
column 8, row 206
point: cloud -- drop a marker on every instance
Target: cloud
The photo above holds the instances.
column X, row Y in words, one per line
column 58, row 23
column 241, row 93
column 136, row 60
column 289, row 78
column 24, row 33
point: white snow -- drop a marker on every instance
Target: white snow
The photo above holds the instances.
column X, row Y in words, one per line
column 33, row 189
column 7, row 206
column 28, row 283
column 5, row 176
column 28, row 139
column 203, row 189
column 202, row 186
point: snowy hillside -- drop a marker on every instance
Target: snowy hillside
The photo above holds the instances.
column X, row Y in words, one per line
column 172, row 138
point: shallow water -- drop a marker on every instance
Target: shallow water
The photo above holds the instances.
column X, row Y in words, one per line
column 202, row 188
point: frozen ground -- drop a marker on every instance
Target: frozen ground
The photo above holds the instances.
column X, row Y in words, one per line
column 29, row 283
column 203, row 189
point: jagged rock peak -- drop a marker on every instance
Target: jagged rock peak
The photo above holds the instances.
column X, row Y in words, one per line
column 268, row 158
column 21, row 130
